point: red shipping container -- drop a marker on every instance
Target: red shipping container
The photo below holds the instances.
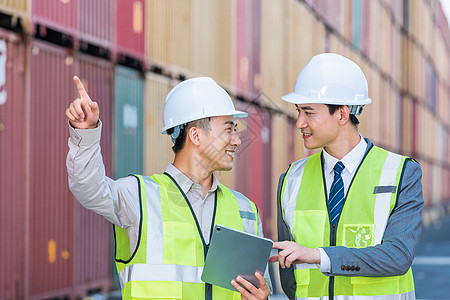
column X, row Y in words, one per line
column 130, row 30
column 96, row 22
column 51, row 203
column 248, row 50
column 254, row 162
column 57, row 15
column 71, row 244
column 12, row 162
column 93, row 253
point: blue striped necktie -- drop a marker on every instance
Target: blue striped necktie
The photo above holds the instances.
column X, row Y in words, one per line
column 336, row 197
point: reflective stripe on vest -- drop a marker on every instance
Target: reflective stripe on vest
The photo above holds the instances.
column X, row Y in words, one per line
column 406, row 296
column 369, row 202
column 170, row 252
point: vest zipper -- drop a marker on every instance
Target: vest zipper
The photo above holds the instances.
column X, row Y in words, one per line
column 332, row 243
column 208, row 286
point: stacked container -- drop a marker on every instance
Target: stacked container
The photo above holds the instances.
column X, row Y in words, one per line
column 128, row 125
column 13, row 214
column 69, row 242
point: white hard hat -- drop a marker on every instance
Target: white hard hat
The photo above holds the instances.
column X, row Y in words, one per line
column 194, row 99
column 330, row 78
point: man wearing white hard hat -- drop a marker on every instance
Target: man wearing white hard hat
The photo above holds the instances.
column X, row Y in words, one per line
column 349, row 215
column 163, row 223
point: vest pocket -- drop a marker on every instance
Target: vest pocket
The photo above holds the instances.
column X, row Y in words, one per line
column 369, row 286
column 302, row 278
column 308, row 227
column 179, row 243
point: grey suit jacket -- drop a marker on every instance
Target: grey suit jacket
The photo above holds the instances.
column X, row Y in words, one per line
column 396, row 252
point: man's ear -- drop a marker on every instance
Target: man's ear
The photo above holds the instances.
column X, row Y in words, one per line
column 194, row 135
column 344, row 114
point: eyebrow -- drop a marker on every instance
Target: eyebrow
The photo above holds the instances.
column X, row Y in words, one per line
column 304, row 107
column 231, row 123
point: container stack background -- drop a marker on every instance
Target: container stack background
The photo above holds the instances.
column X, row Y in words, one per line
column 129, row 54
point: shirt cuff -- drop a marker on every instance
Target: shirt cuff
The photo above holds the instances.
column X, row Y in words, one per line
column 85, row 137
column 325, row 263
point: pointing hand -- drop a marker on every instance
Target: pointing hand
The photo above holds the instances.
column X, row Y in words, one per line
column 82, row 113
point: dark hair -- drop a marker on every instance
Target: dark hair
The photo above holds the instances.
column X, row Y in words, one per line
column 181, row 139
column 332, row 108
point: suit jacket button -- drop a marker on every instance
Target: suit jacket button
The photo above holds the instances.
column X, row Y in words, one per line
column 353, row 268
column 343, row 268
column 348, row 268
column 357, row 268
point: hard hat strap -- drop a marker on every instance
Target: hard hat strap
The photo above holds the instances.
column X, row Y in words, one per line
column 176, row 133
column 356, row 109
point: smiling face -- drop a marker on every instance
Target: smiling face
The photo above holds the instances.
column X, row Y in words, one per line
column 319, row 128
column 218, row 145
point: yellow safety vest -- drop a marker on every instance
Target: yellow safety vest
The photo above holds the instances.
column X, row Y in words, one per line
column 370, row 199
column 168, row 260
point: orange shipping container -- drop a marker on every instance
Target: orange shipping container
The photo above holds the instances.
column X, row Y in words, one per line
column 157, row 147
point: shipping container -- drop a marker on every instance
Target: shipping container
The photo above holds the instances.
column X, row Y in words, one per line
column 157, row 147
column 71, row 244
column 253, row 163
column 273, row 59
column 169, row 26
column 12, row 161
column 51, row 203
column 60, row 16
column 213, row 39
column 19, row 10
column 280, row 160
column 96, row 22
column 130, row 29
column 366, row 34
column 247, row 35
column 92, row 233
column 128, row 121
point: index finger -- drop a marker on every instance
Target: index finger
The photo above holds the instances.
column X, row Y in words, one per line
column 80, row 87
column 280, row 245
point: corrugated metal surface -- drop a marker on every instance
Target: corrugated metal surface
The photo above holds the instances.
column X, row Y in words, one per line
column 16, row 8
column 253, row 163
column 96, row 21
column 130, row 30
column 70, row 243
column 128, row 111
column 212, row 25
column 92, row 233
column 169, row 26
column 203, row 29
column 12, row 152
column 273, row 60
column 280, row 140
column 57, row 15
column 157, row 147
column 248, row 36
column 51, row 203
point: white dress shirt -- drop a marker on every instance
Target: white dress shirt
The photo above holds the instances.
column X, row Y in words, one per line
column 351, row 163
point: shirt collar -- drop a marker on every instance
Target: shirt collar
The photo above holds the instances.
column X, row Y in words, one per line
column 186, row 183
column 351, row 160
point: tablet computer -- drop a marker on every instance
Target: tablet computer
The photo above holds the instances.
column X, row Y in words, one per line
column 235, row 253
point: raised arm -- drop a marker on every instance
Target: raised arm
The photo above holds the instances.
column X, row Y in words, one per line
column 117, row 201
